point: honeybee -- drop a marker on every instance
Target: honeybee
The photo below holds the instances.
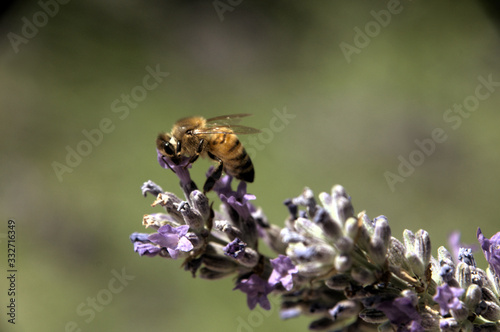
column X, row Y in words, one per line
column 214, row 138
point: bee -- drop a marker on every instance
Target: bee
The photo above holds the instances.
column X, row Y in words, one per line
column 214, row 138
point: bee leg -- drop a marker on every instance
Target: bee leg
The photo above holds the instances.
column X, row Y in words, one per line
column 216, row 174
column 197, row 154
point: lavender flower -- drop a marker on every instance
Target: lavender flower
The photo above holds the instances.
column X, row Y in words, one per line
column 238, row 199
column 235, row 248
column 402, row 313
column 448, row 298
column 283, row 271
column 174, row 239
column 491, row 250
column 344, row 268
column 257, row 290
column 146, row 249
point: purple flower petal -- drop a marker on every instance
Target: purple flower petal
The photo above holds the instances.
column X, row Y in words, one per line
column 172, row 238
column 238, row 199
column 283, row 270
column 184, row 244
column 447, row 298
column 146, row 249
column 257, row 290
column 402, row 312
column 491, row 250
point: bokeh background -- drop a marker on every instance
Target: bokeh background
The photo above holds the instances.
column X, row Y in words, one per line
column 350, row 117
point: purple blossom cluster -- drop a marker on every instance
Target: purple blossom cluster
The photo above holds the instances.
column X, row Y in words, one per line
column 343, row 269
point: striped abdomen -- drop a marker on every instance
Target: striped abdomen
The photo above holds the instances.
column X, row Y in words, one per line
column 235, row 160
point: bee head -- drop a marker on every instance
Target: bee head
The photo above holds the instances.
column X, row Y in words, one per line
column 168, row 146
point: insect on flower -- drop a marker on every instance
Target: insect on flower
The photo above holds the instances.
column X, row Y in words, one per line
column 215, row 138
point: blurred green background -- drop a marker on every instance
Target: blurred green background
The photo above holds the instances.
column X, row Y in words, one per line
column 351, row 115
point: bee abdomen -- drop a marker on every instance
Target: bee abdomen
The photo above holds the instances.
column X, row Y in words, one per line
column 241, row 166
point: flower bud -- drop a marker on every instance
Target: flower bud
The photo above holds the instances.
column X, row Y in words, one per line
column 152, row 188
column 314, row 269
column 365, row 231
column 191, row 216
column 220, row 264
column 382, row 230
column 488, row 295
column 228, row 229
column 292, row 209
column 307, row 228
column 465, row 255
column 377, row 250
column 492, row 280
column 206, row 273
column 343, row 209
column 416, row 264
column 338, row 204
column 444, row 257
column 460, row 314
column 345, row 308
column 351, row 228
column 480, row 278
column 464, row 276
column 472, row 296
column 250, row 258
column 200, row 203
column 344, row 244
column 396, row 254
column 306, row 199
column 330, row 228
column 339, row 282
column 290, row 311
column 489, row 310
column 321, row 253
column 423, row 246
column 373, row 316
column 446, row 273
column 289, row 236
column 363, row 275
column 409, row 240
column 325, row 199
column 342, row 263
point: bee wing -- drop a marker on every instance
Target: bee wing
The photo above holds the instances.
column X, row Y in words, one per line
column 235, row 129
column 226, row 124
column 226, row 120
